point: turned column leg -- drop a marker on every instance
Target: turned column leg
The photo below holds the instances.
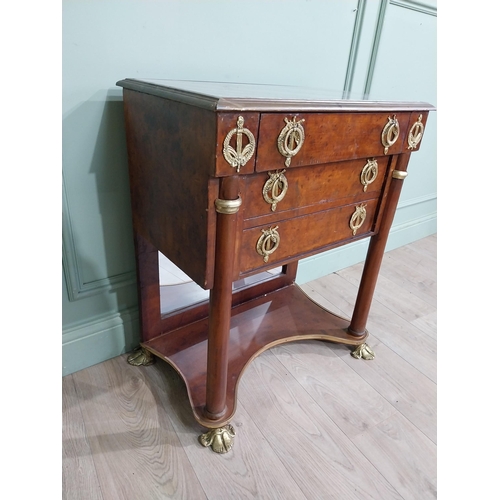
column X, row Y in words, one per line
column 227, row 206
column 375, row 255
column 149, row 298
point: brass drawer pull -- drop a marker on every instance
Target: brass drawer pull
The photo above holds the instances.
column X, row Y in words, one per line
column 390, row 133
column 357, row 218
column 369, row 173
column 238, row 157
column 416, row 133
column 268, row 242
column 291, row 139
column 275, row 188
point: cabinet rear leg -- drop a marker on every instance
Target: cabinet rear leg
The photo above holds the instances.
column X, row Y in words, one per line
column 140, row 357
column 148, row 284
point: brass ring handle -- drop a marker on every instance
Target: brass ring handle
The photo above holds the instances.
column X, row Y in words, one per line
column 416, row 133
column 357, row 218
column 368, row 173
column 390, row 133
column 268, row 242
column 275, row 188
column 238, row 157
column 291, row 139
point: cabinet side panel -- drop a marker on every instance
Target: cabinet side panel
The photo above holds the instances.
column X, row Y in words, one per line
column 171, row 152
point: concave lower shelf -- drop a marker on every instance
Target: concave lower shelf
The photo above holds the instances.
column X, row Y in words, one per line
column 281, row 316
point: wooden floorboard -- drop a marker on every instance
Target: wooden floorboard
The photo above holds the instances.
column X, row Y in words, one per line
column 250, row 470
column 136, row 451
column 312, row 422
column 311, row 445
column 79, row 476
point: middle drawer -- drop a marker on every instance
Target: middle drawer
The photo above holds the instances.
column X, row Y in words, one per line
column 331, row 184
column 294, row 238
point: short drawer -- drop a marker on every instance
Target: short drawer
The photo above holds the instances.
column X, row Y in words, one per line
column 331, row 184
column 237, row 137
column 294, row 140
column 270, row 245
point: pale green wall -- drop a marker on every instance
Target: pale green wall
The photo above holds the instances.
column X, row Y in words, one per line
column 396, row 57
column 371, row 45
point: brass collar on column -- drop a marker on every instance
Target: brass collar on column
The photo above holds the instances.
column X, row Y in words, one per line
column 227, row 206
column 399, row 174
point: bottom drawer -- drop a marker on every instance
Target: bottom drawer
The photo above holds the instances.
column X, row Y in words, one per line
column 271, row 245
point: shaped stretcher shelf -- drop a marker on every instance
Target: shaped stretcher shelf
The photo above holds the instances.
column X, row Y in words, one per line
column 281, row 316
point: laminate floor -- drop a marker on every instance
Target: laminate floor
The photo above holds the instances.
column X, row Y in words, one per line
column 312, row 422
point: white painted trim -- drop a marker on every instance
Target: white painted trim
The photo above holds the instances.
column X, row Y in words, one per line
column 415, row 201
column 99, row 340
column 423, row 7
column 376, row 42
column 77, row 288
column 353, row 53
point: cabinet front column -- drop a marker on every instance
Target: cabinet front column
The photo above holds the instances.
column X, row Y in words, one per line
column 376, row 250
column 227, row 206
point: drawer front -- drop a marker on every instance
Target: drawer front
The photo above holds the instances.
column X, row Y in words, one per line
column 416, row 128
column 332, row 184
column 271, row 245
column 301, row 139
column 237, row 138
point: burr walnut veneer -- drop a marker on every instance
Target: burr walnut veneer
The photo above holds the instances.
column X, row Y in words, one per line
column 229, row 181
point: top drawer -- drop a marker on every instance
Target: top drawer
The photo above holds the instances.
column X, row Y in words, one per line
column 327, row 137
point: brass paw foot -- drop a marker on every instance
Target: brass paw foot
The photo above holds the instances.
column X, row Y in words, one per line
column 221, row 440
column 363, row 351
column 141, row 357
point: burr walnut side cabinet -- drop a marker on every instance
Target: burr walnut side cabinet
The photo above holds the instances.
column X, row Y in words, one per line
column 234, row 184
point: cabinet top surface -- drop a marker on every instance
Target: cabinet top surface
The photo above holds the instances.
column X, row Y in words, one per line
column 226, row 96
